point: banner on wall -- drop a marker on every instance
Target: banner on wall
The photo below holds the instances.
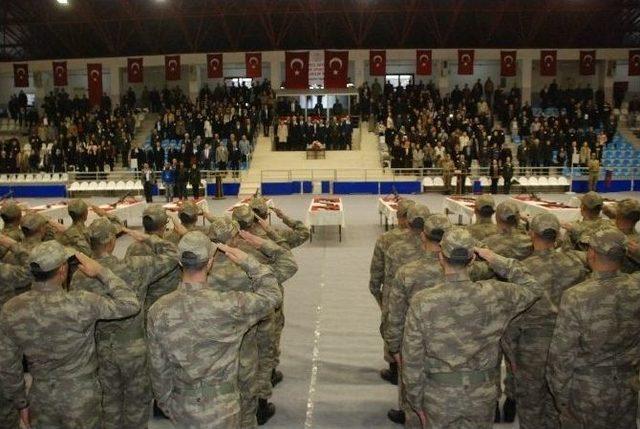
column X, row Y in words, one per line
column 214, row 66
column 508, row 63
column 423, row 62
column 634, row 62
column 465, row 61
column 60, row 73
column 336, row 69
column 377, row 63
column 94, row 77
column 297, row 70
column 253, row 64
column 587, row 63
column 172, row 67
column 134, row 70
column 21, row 75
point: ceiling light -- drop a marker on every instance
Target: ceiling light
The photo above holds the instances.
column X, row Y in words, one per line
column 63, row 2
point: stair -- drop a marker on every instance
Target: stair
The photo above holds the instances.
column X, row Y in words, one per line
column 144, row 130
column 629, row 136
column 248, row 189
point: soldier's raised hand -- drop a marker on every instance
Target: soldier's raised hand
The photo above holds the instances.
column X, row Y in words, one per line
column 263, row 223
column 252, row 239
column 484, row 253
column 236, row 255
column 90, row 267
column 136, row 235
column 6, row 241
column 277, row 211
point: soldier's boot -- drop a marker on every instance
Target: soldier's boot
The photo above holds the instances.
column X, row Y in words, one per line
column 276, row 377
column 266, row 410
column 391, row 374
column 496, row 418
column 396, row 416
column 509, row 410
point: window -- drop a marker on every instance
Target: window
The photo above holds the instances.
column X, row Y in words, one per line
column 399, row 79
column 238, row 81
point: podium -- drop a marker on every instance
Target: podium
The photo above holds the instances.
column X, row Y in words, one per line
column 219, row 188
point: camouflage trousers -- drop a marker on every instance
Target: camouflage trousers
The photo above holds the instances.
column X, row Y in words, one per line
column 205, row 410
column 601, row 398
column 384, row 317
column 269, row 334
column 412, row 421
column 536, row 409
column 65, row 403
column 125, row 383
column 8, row 414
column 247, row 371
column 460, row 406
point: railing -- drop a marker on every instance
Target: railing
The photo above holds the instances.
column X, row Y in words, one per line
column 115, row 176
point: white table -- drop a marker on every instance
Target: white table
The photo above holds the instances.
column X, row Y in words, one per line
column 461, row 206
column 320, row 214
column 124, row 211
column 530, row 207
column 388, row 207
column 576, row 202
column 56, row 211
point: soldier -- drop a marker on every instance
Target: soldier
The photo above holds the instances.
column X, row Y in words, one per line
column 76, row 236
column 530, row 335
column 297, row 232
column 120, row 344
column 578, row 231
column 452, row 336
column 11, row 215
column 626, row 214
column 594, row 352
column 195, row 333
column 484, row 226
column 594, row 172
column 406, row 249
column 448, row 168
column 188, row 215
column 54, row 329
column 509, row 241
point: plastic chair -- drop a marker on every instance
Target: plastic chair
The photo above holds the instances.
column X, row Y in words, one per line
column 427, row 182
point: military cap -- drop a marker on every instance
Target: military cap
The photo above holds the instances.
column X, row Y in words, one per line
column 156, row 213
column 610, row 242
column 416, row 212
column 33, row 221
column 592, row 200
column 403, row 206
column 629, row 209
column 545, row 225
column 10, row 210
column 259, row 204
column 195, row 248
column 506, row 210
column 102, row 230
column 485, row 201
column 243, row 214
column 77, row 206
column 457, row 244
column 49, row 255
column 436, row 225
column 190, row 209
column 223, row 229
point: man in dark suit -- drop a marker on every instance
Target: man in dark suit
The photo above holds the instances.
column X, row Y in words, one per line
column 148, row 180
column 265, row 118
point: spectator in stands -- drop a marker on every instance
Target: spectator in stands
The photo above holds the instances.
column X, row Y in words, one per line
column 169, row 181
column 235, row 157
column 494, row 174
column 222, row 156
column 148, row 180
column 194, row 179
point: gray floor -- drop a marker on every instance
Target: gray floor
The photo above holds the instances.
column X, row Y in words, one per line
column 331, row 344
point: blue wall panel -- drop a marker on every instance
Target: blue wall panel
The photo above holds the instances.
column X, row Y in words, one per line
column 326, row 187
column 355, row 188
column 227, row 189
column 40, row 191
column 307, row 186
column 401, row 187
column 582, row 186
column 280, row 188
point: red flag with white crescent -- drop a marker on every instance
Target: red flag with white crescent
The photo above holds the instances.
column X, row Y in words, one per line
column 253, row 63
column 297, row 70
column 94, row 76
column 172, row 67
column 214, row 66
column 134, row 70
column 548, row 63
column 634, row 62
column 336, row 69
column 423, row 62
column 377, row 63
column 587, row 63
column 508, row 63
column 60, row 73
column 465, row 61
column 21, row 75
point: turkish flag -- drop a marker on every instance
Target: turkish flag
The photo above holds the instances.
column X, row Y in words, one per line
column 507, row 63
column 60, row 73
column 423, row 61
column 336, row 69
column 548, row 63
column 214, row 66
column 465, row 61
column 94, row 76
column 20, row 75
column 634, row 63
column 377, row 63
column 253, row 64
column 297, row 71
column 587, row 63
column 134, row 70
column 172, row 67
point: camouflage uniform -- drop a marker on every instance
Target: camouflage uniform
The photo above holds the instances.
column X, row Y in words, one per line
column 627, row 210
column 530, row 334
column 594, row 354
column 512, row 243
column 195, row 335
column 451, row 340
column 582, row 229
column 10, row 213
column 188, row 214
column 55, row 331
column 297, row 232
column 121, row 345
column 484, row 226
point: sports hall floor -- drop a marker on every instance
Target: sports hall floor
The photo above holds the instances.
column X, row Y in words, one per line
column 331, row 343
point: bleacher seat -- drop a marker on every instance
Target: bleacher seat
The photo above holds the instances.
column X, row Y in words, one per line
column 75, row 186
column 111, row 185
column 437, row 181
column 485, row 181
column 121, row 185
column 501, row 181
column 533, row 181
column 543, row 181
column 522, row 180
column 102, row 186
column 427, row 182
column 552, row 181
column 84, row 186
column 563, row 181
column 130, row 185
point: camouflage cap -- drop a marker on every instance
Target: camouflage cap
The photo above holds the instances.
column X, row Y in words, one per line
column 243, row 214
column 403, row 206
column 436, row 225
column 610, row 242
column 102, row 230
column 418, row 213
column 190, row 209
column 195, row 248
column 259, row 204
column 629, row 208
column 10, row 210
column 49, row 255
column 33, row 221
column 592, row 200
column 457, row 244
column 485, row 201
column 544, row 222
column 223, row 229
column 157, row 214
column 506, row 210
column 77, row 206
